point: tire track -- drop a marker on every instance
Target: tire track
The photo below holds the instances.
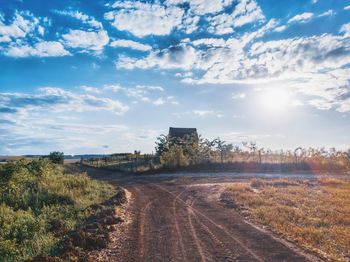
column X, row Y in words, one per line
column 196, row 239
column 165, row 240
column 247, row 249
column 142, row 228
column 178, row 228
column 230, row 255
column 168, row 223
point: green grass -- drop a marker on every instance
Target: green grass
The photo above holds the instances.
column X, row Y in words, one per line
column 37, row 196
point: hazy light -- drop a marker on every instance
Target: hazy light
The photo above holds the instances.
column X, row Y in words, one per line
column 275, row 99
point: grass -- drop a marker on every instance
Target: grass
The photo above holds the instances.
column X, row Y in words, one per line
column 37, row 196
column 314, row 214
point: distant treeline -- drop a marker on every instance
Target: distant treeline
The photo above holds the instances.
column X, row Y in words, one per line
column 71, row 156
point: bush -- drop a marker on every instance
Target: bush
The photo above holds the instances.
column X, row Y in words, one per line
column 174, row 157
column 56, row 157
column 34, row 197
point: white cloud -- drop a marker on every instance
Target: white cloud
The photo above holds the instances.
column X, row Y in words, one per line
column 34, row 134
column 86, row 19
column 113, row 88
column 139, row 92
column 40, row 49
column 142, row 19
column 150, row 87
column 41, row 30
column 190, row 23
column 188, row 74
column 181, row 56
column 321, row 104
column 330, row 12
column 23, row 24
column 310, row 65
column 213, row 42
column 55, row 99
column 236, row 96
column 86, row 40
column 344, row 106
column 4, row 39
column 245, row 12
column 207, row 113
column 202, row 7
column 95, row 66
column 301, row 18
column 144, row 93
column 345, row 29
column 149, row 94
column 165, row 100
column 68, row 101
column 296, row 103
column 280, row 28
column 23, row 37
column 301, row 54
column 131, row 44
column 347, row 7
column 188, row 56
column 90, row 89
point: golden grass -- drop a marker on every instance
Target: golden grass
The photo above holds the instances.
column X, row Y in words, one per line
column 314, row 214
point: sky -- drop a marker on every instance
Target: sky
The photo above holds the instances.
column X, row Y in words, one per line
column 110, row 76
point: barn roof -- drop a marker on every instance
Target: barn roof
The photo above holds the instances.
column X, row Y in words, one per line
column 181, row 132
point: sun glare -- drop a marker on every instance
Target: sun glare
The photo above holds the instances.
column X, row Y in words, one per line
column 275, row 99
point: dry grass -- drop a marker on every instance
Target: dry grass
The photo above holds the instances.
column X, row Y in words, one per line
column 314, row 214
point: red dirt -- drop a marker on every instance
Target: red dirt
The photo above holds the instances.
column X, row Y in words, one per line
column 171, row 219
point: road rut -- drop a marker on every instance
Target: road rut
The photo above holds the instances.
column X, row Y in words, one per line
column 172, row 220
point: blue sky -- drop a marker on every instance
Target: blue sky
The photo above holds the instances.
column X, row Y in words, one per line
column 110, row 76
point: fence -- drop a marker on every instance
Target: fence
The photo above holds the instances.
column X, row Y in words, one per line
column 125, row 162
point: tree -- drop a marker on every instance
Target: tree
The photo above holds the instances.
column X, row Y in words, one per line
column 188, row 150
column 261, row 152
column 251, row 147
column 174, row 157
column 223, row 148
column 56, row 157
column 162, row 145
column 298, row 154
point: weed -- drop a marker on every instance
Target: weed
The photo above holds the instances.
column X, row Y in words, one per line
column 39, row 204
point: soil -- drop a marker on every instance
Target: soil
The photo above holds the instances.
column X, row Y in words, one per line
column 170, row 218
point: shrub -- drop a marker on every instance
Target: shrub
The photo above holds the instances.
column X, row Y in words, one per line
column 39, row 204
column 56, row 157
column 174, row 157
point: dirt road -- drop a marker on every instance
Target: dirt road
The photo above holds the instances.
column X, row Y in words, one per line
column 182, row 219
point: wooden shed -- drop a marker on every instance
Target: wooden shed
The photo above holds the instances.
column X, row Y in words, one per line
column 179, row 132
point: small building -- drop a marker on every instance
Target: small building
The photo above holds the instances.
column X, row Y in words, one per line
column 178, row 132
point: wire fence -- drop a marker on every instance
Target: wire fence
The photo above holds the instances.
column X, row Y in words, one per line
column 125, row 162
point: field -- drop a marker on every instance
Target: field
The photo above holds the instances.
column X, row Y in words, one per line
column 40, row 204
column 315, row 214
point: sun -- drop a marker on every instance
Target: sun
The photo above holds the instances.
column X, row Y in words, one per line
column 275, row 99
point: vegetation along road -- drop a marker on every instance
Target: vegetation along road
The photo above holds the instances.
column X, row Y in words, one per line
column 182, row 219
